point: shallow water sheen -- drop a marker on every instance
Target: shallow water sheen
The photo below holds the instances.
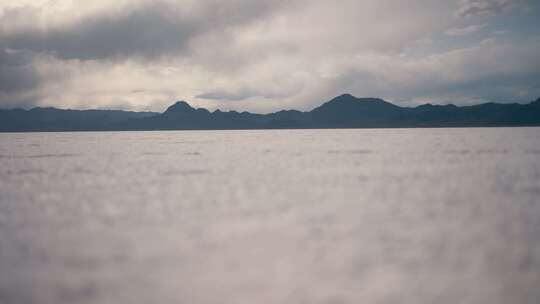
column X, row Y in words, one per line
column 307, row 216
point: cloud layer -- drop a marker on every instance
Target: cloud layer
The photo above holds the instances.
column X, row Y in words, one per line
column 262, row 55
column 471, row 8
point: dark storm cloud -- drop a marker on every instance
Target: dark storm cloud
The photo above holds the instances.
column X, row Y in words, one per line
column 150, row 30
column 17, row 72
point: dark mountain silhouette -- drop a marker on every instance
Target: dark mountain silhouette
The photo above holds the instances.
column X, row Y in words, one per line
column 52, row 119
column 349, row 111
column 345, row 111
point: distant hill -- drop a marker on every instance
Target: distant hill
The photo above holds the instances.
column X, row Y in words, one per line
column 345, row 111
column 52, row 119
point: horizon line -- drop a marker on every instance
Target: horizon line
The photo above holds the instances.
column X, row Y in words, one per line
column 277, row 111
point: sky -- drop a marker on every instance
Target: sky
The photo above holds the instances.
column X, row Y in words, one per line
column 266, row 55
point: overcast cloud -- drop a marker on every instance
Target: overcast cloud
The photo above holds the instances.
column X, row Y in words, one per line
column 266, row 55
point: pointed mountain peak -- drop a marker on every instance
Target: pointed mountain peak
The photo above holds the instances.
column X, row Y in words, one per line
column 180, row 107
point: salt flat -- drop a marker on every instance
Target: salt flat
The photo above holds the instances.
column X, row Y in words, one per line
column 299, row 216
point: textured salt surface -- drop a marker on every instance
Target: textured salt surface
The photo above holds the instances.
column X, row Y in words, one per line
column 314, row 216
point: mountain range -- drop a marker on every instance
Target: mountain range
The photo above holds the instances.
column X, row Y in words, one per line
column 345, row 111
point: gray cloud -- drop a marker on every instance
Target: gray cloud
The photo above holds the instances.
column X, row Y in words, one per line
column 146, row 31
column 469, row 8
column 241, row 94
column 223, row 95
column 151, row 30
column 17, row 72
column 258, row 55
column 463, row 31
